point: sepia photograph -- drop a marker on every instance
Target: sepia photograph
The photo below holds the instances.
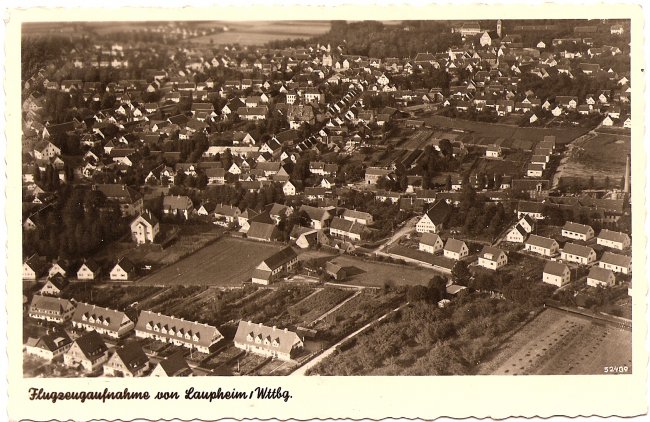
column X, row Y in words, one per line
column 326, row 198
column 361, row 199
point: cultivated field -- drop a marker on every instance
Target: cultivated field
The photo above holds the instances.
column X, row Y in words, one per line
column 260, row 33
column 226, row 262
column 557, row 342
column 493, row 131
column 371, row 273
column 600, row 156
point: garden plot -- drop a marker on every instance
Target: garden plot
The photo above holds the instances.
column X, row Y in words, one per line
column 557, row 342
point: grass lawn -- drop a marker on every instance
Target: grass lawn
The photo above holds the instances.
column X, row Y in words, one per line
column 226, row 262
column 495, row 130
column 373, row 273
column 259, row 33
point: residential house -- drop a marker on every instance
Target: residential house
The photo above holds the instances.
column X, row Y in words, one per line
column 492, row 258
column 89, row 270
column 53, row 286
column 517, row 234
column 50, row 308
column 600, row 277
column 531, row 209
column 616, row 263
column 178, row 331
column 105, row 321
column 89, row 351
column 172, row 366
column 123, row 270
column 493, row 151
column 129, row 200
column 612, row 239
column 266, row 232
column 541, row 245
column 60, row 268
column 358, row 216
column 431, row 243
column 455, row 249
column 556, row 273
column 577, row 231
column 535, row 170
column 318, row 217
column 434, row 219
column 178, row 205
column 144, row 228
column 346, row 229
column 267, row 341
column 373, row 174
column 226, row 215
column 49, row 346
column 34, row 268
column 289, row 189
column 275, row 266
column 577, row 253
column 127, row 361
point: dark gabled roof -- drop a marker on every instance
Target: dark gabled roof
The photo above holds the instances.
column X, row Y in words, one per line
column 577, row 227
column 490, row 250
column 132, row 355
column 126, row 264
column 540, row 241
column 613, row 236
column 248, row 331
column 615, row 259
column 439, row 212
column 429, row 239
column 579, row 250
column 119, row 192
column 555, row 268
column 280, row 258
column 314, row 213
column 175, row 365
column 91, row 344
column 51, row 341
column 177, row 202
column 454, row 245
column 600, row 274
column 346, row 226
column 521, row 229
column 258, row 230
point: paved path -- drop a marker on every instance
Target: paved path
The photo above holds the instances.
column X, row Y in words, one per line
column 408, row 227
column 312, row 363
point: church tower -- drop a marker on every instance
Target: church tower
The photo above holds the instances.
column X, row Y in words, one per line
column 499, row 28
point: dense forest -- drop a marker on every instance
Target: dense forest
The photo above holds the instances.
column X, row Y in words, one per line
column 76, row 225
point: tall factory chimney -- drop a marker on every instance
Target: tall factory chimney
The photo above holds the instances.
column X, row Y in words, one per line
column 627, row 174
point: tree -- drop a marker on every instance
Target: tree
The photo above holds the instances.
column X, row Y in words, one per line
column 437, row 288
column 417, row 294
column 446, row 148
column 461, row 274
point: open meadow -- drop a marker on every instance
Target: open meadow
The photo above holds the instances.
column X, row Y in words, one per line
column 373, row 273
column 491, row 132
column 601, row 155
column 260, row 33
column 558, row 342
column 226, row 262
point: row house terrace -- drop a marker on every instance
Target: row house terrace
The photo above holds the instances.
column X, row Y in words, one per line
column 178, row 331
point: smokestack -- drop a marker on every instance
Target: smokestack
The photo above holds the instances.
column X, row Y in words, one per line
column 627, row 174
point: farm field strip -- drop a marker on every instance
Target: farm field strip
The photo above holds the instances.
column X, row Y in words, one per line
column 226, row 262
column 560, row 343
